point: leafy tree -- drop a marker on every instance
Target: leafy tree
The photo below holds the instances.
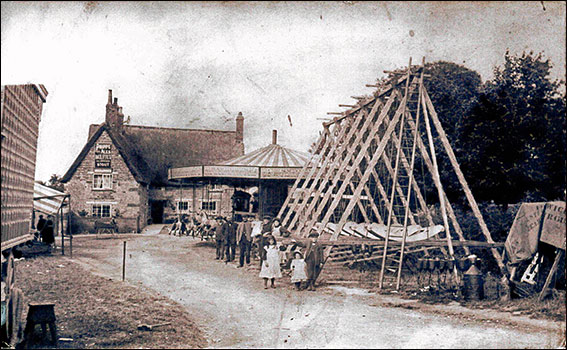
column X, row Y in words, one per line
column 514, row 136
column 55, row 183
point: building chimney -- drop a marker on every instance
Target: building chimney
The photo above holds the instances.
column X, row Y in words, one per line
column 240, row 127
column 114, row 117
column 274, row 137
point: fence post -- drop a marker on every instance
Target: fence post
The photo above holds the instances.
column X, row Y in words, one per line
column 124, row 262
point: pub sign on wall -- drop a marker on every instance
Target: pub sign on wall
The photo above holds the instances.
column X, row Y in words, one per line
column 103, row 155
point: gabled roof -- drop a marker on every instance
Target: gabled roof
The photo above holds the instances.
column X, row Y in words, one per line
column 150, row 151
column 138, row 167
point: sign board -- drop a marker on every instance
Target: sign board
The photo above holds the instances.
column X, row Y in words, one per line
column 186, row 172
column 231, row 171
column 103, row 155
column 280, row 173
column 553, row 231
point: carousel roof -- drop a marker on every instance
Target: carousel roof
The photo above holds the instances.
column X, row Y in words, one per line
column 270, row 162
column 272, row 155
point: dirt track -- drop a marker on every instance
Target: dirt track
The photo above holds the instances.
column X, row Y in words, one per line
column 235, row 311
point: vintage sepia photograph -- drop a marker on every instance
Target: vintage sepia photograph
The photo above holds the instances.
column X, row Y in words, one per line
column 283, row 174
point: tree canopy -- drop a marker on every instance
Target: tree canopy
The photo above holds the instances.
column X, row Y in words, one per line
column 514, row 134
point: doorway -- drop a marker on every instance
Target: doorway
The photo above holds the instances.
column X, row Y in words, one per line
column 157, row 211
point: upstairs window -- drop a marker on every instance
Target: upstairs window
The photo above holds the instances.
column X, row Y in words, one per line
column 102, row 181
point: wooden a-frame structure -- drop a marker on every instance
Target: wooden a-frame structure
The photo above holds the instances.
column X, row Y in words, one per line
column 368, row 166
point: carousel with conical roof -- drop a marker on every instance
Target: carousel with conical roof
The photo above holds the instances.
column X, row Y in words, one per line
column 261, row 178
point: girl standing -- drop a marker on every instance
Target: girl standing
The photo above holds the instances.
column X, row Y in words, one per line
column 271, row 265
column 298, row 270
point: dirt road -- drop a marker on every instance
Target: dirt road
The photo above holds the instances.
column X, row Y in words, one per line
column 234, row 310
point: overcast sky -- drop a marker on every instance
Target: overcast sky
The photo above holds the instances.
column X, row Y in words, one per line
column 197, row 64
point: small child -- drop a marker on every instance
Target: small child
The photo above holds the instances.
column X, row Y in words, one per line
column 298, row 270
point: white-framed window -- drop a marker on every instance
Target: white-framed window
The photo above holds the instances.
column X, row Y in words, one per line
column 102, row 181
column 211, row 206
column 102, row 210
column 183, row 205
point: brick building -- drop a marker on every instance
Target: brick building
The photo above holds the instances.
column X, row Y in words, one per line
column 122, row 172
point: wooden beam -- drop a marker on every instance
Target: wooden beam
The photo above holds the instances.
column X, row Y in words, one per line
column 463, row 182
column 350, row 153
column 349, row 106
column 558, row 255
column 310, row 166
column 378, row 95
column 440, row 191
column 315, row 186
column 343, row 241
column 375, row 157
column 450, row 210
column 332, row 166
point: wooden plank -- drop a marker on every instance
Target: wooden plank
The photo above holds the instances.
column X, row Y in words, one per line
column 463, row 182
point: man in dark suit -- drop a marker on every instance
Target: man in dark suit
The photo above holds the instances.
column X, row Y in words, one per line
column 220, row 237
column 230, row 240
column 41, row 225
column 244, row 240
column 313, row 259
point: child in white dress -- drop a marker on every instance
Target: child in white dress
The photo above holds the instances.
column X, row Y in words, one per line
column 298, row 270
column 271, row 266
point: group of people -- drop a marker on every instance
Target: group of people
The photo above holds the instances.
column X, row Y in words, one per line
column 195, row 226
column 45, row 229
column 259, row 241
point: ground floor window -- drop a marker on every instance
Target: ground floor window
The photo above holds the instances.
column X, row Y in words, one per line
column 101, row 210
column 212, row 206
column 183, row 206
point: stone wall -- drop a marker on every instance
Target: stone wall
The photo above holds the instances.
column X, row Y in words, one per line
column 128, row 199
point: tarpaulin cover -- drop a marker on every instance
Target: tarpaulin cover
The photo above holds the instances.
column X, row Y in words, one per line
column 535, row 222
